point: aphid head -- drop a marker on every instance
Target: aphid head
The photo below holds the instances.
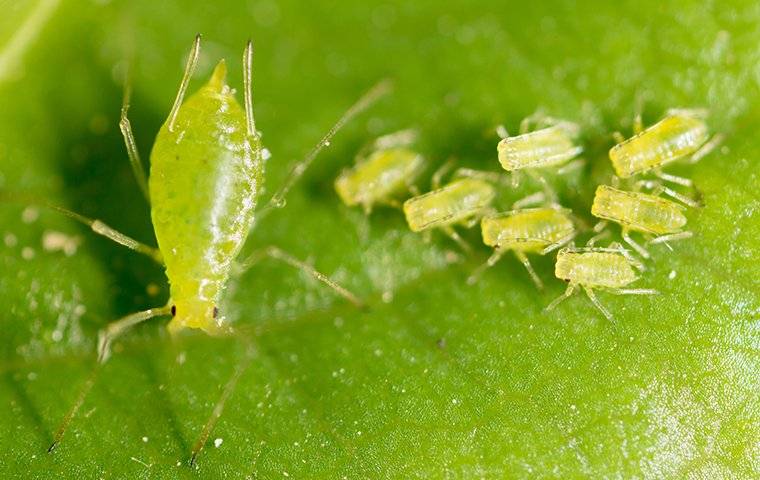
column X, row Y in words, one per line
column 197, row 313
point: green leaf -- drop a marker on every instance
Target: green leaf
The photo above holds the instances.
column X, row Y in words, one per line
column 436, row 379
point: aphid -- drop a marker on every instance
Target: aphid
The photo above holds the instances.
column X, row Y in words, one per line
column 461, row 202
column 388, row 171
column 207, row 168
column 551, row 144
column 532, row 230
column 682, row 133
column 660, row 220
column 590, row 268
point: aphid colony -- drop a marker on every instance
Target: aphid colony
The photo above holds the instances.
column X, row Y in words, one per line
column 546, row 144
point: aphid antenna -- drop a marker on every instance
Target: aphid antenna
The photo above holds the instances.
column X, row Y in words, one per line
column 437, row 179
column 402, row 138
column 299, row 168
column 129, row 138
column 248, row 88
column 192, row 62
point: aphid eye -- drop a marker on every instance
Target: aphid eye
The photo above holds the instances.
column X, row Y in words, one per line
column 174, row 310
column 216, row 312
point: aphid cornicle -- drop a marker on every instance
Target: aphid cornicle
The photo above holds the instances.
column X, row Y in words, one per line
column 660, row 220
column 551, row 144
column 389, row 170
column 609, row 269
column 207, row 168
column 532, row 230
column 681, row 133
column 463, row 201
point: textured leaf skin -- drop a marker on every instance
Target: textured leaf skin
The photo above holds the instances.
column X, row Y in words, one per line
column 435, row 379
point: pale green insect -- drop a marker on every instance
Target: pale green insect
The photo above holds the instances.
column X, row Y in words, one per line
column 461, row 202
column 380, row 177
column 609, row 269
column 207, row 168
column 681, row 133
column 533, row 230
column 552, row 143
column 660, row 220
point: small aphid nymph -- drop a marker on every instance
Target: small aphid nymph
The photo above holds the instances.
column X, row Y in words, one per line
column 609, row 269
column 546, row 147
column 660, row 220
column 681, row 133
column 380, row 177
column 463, row 201
column 533, row 230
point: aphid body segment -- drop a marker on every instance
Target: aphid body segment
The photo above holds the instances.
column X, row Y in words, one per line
column 609, row 269
column 547, row 147
column 206, row 171
column 640, row 212
column 382, row 176
column 676, row 136
column 463, row 201
column 534, row 230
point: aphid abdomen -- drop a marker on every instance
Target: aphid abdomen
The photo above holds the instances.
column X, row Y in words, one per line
column 453, row 203
column 541, row 148
column 528, row 230
column 383, row 175
column 205, row 174
column 638, row 211
column 673, row 137
column 594, row 269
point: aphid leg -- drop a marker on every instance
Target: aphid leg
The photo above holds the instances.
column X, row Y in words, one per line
column 708, row 147
column 192, row 61
column 673, row 178
column 536, row 198
column 616, row 247
column 602, row 233
column 592, row 296
column 633, row 291
column 618, row 137
column 216, row 413
column 95, row 225
column 478, row 272
column 502, row 131
column 248, row 88
column 278, row 254
column 451, row 233
column 559, row 243
column 533, row 276
column 681, row 198
column 129, row 141
column 439, row 173
column 551, row 195
column 701, row 113
column 413, row 190
column 568, row 292
column 105, row 337
column 639, row 249
column 574, row 165
column 299, row 168
column 515, row 178
column 116, row 328
column 494, row 177
column 638, row 122
column 367, row 207
column 401, row 138
column 672, row 237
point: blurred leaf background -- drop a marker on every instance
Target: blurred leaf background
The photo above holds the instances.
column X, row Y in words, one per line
column 436, row 379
